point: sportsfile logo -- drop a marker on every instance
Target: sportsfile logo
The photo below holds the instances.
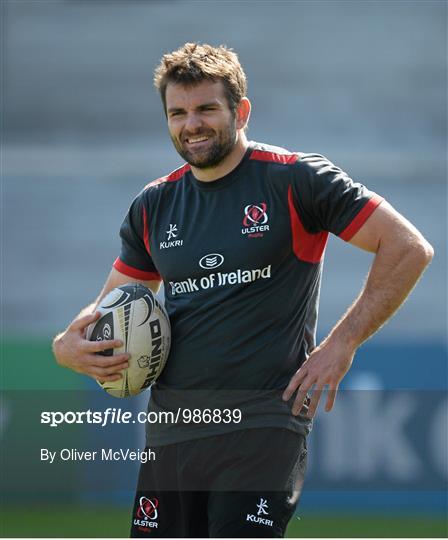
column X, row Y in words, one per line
column 147, row 514
column 219, row 279
column 171, row 234
column 262, row 511
column 255, row 220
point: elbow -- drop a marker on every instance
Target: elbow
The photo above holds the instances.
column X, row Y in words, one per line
column 423, row 253
column 427, row 251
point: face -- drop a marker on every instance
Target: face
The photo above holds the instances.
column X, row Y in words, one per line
column 201, row 124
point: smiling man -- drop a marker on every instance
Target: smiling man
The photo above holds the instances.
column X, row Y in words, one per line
column 238, row 235
column 208, row 137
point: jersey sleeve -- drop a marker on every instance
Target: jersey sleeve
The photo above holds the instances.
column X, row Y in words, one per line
column 327, row 199
column 135, row 257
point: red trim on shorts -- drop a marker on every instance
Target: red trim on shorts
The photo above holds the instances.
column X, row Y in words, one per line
column 306, row 246
column 134, row 272
column 285, row 159
column 172, row 177
column 362, row 216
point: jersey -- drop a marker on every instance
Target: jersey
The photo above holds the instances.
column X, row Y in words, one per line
column 241, row 261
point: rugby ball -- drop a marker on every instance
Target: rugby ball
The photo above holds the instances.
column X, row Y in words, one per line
column 132, row 314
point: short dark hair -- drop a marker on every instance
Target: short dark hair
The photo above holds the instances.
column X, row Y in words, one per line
column 194, row 63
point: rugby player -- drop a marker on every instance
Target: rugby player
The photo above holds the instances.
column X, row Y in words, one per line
column 238, row 235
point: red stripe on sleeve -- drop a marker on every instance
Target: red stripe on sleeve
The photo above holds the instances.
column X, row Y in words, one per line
column 172, row 177
column 134, row 272
column 362, row 216
column 306, row 246
column 145, row 232
column 178, row 173
column 285, row 159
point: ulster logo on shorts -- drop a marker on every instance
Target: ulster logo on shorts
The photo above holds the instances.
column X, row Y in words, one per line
column 255, row 220
column 147, row 514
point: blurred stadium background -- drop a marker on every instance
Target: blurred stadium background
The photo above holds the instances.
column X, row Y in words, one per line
column 83, row 130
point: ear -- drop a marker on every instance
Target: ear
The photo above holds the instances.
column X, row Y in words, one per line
column 243, row 113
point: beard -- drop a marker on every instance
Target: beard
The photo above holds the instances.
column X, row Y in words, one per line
column 220, row 146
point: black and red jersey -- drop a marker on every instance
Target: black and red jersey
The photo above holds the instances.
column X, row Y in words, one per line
column 241, row 260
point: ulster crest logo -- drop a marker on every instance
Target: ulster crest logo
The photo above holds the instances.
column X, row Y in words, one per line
column 147, row 514
column 255, row 220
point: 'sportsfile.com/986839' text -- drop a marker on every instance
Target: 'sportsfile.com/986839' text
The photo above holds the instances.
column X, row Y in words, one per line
column 113, row 415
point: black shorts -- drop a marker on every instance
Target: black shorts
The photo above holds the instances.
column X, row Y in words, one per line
column 242, row 484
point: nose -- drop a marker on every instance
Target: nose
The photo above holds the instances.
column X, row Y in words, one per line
column 193, row 122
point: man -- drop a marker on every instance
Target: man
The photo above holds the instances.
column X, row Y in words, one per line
column 238, row 236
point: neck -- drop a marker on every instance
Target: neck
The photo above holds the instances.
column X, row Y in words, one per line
column 227, row 164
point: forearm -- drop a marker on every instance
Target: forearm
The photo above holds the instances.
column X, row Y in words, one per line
column 401, row 256
column 393, row 275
